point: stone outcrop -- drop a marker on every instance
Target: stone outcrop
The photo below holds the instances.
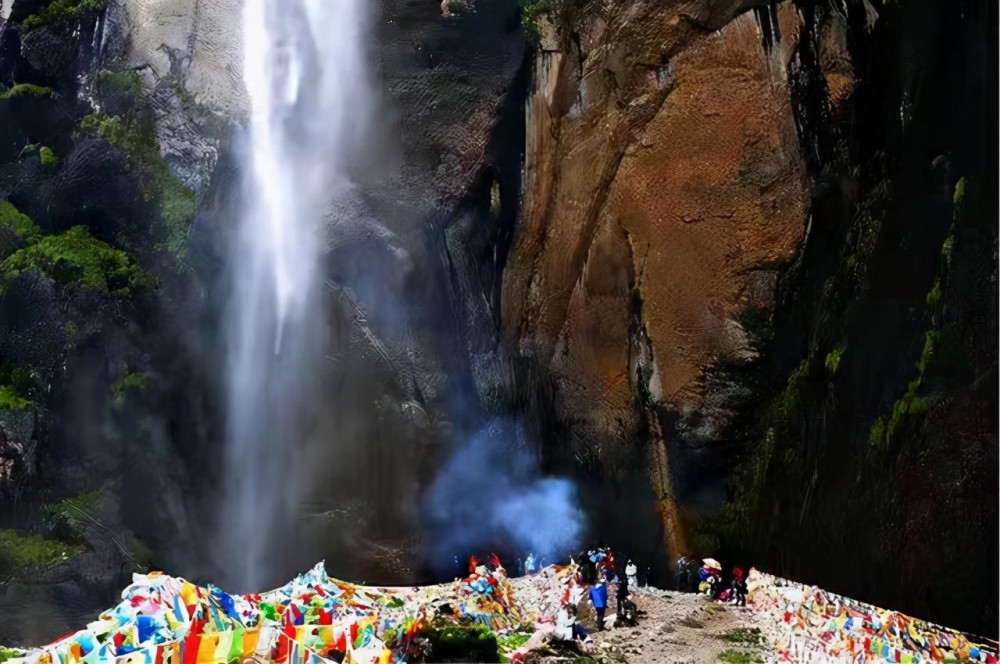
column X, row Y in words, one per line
column 663, row 191
column 198, row 42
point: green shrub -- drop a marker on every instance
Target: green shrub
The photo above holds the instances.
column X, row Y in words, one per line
column 20, row 223
column 26, row 90
column 511, row 642
column 739, row 657
column 28, row 382
column 24, row 553
column 118, row 82
column 833, row 360
column 10, row 653
column 876, row 435
column 959, row 191
column 132, row 381
column 785, row 407
column 76, row 258
column 742, row 636
column 136, row 138
column 532, row 12
column 11, row 400
column 934, row 295
column 47, row 156
column 61, row 14
column 71, row 510
column 456, row 643
column 908, row 406
column 946, row 248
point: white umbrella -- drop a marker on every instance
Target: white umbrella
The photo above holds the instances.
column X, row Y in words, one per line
column 712, row 563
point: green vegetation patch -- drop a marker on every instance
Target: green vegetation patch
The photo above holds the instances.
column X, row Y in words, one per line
column 511, row 642
column 136, row 139
column 742, row 636
column 739, row 657
column 26, row 90
column 24, row 381
column 73, row 512
column 934, row 295
column 532, row 12
column 10, row 653
column 959, row 194
column 833, row 360
column 946, row 249
column 47, row 156
column 11, row 400
column 24, row 553
column 61, row 14
column 118, row 82
column 785, row 406
column 458, row 643
column 76, row 258
column 22, row 225
column 134, row 381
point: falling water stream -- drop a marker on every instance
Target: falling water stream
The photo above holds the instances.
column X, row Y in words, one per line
column 305, row 76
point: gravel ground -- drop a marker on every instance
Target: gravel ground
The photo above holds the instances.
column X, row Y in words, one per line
column 682, row 628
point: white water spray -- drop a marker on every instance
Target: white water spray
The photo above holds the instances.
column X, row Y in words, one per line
column 305, row 76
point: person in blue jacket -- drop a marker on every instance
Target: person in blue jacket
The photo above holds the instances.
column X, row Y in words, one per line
column 599, row 598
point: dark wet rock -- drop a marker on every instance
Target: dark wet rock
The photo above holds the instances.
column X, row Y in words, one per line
column 52, row 53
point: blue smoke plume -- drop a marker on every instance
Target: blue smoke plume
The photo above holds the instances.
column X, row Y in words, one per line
column 491, row 491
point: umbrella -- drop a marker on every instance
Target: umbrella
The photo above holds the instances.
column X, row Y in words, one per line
column 712, row 563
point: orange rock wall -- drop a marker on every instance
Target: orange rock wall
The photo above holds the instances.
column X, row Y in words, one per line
column 663, row 186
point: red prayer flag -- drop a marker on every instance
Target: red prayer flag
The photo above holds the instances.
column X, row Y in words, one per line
column 191, row 645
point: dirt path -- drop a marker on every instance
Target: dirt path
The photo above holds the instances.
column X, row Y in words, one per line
column 684, row 628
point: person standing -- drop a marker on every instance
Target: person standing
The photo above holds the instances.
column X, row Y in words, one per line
column 632, row 574
column 739, row 588
column 683, row 574
column 599, row 598
column 621, row 594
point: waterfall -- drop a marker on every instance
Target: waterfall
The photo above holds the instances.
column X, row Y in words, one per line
column 305, row 77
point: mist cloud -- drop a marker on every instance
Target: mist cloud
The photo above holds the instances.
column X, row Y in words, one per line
column 492, row 490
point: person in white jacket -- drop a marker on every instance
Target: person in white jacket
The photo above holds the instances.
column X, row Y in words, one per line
column 568, row 629
column 631, row 571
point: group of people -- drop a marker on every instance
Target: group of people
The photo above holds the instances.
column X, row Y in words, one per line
column 597, row 575
column 710, row 581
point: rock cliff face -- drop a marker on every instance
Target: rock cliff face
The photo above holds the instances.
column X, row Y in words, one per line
column 664, row 189
column 736, row 243
column 875, row 432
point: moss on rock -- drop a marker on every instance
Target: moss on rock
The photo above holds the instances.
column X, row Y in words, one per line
column 134, row 381
column 118, row 82
column 20, row 554
column 21, row 224
column 76, row 258
column 136, row 138
column 10, row 653
column 26, row 90
column 833, row 360
column 457, row 643
column 11, row 400
column 61, row 14
column 47, row 156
